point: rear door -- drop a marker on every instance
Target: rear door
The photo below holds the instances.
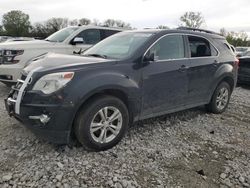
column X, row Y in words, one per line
column 203, row 65
column 165, row 79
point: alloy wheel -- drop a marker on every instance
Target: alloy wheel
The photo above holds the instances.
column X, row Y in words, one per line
column 222, row 98
column 106, row 124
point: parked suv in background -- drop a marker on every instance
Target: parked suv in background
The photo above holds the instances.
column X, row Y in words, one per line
column 240, row 49
column 127, row 77
column 244, row 69
column 14, row 56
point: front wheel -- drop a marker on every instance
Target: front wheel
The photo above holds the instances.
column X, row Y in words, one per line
column 220, row 98
column 101, row 123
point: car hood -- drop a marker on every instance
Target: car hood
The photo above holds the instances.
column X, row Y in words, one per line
column 57, row 61
column 27, row 44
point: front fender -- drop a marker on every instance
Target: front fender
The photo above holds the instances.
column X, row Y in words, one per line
column 90, row 85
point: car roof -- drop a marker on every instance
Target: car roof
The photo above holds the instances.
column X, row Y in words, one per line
column 101, row 27
column 201, row 32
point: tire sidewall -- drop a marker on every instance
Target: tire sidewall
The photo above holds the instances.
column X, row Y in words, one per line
column 213, row 105
column 86, row 116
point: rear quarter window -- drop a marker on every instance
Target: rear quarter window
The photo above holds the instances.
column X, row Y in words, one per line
column 228, row 46
column 201, row 47
column 224, row 46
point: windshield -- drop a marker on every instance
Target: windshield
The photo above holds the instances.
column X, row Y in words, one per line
column 118, row 46
column 61, row 35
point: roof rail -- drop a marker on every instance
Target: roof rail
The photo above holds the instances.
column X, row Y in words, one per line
column 200, row 30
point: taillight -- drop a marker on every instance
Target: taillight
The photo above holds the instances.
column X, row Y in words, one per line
column 237, row 62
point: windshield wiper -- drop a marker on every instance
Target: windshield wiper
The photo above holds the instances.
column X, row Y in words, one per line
column 97, row 55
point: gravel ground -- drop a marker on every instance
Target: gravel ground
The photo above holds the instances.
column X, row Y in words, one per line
column 186, row 149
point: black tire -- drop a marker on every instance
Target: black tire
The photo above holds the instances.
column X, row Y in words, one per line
column 213, row 106
column 90, row 111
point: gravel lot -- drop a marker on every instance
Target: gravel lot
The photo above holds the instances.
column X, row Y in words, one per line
column 185, row 149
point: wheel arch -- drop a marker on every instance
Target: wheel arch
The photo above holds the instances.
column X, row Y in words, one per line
column 117, row 92
column 228, row 78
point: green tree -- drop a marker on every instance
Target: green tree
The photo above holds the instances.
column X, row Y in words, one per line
column 55, row 24
column 162, row 27
column 44, row 29
column 40, row 30
column 84, row 21
column 1, row 30
column 16, row 23
column 122, row 24
column 236, row 38
column 223, row 32
column 96, row 22
column 192, row 19
column 73, row 22
column 116, row 23
column 109, row 23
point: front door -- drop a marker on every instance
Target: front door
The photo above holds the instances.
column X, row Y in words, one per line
column 165, row 80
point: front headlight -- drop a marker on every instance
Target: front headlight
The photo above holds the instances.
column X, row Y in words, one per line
column 8, row 56
column 53, row 82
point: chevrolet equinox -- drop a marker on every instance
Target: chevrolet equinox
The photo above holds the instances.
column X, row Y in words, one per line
column 130, row 76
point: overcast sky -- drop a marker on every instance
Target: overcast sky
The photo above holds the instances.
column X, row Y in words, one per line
column 230, row 14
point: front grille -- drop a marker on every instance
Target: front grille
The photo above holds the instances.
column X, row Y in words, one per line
column 23, row 77
column 16, row 89
column 6, row 77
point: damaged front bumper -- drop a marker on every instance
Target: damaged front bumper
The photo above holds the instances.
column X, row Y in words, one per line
column 49, row 117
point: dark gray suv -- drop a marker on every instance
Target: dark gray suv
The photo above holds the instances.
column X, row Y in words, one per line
column 127, row 77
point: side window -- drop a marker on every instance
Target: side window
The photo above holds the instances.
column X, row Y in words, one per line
column 90, row 36
column 169, row 47
column 200, row 47
column 106, row 33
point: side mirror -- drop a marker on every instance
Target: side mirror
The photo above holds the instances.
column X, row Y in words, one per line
column 149, row 57
column 77, row 40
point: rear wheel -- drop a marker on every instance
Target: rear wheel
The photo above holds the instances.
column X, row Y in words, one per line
column 220, row 99
column 102, row 123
